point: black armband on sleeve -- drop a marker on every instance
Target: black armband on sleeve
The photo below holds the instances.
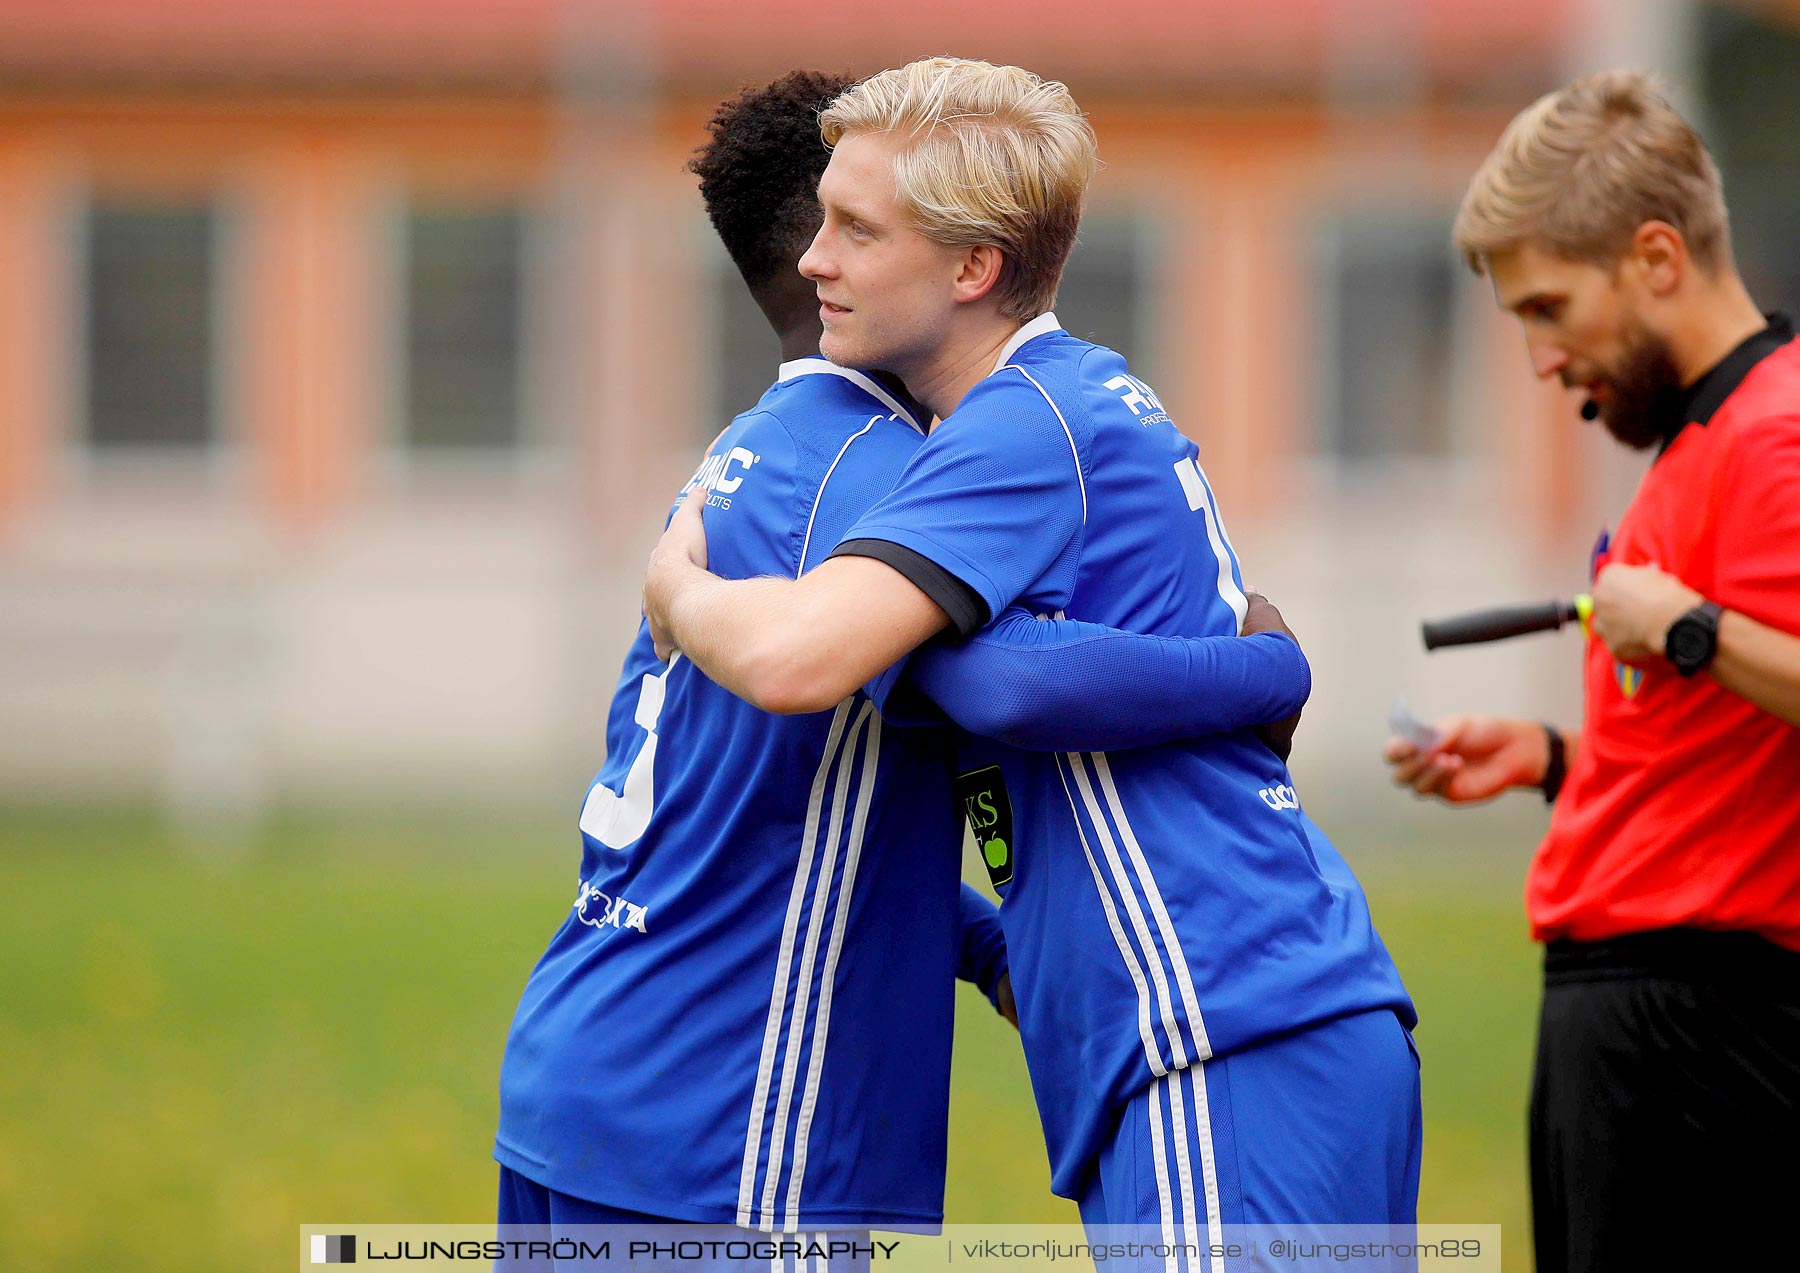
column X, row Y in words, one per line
column 967, row 611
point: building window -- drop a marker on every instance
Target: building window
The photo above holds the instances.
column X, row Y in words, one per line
column 1105, row 288
column 1748, row 64
column 464, row 317
column 151, row 338
column 1387, row 315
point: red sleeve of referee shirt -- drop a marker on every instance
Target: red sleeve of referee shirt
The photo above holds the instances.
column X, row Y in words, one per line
column 1756, row 566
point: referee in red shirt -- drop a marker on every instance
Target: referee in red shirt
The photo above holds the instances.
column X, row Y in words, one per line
column 1665, row 1107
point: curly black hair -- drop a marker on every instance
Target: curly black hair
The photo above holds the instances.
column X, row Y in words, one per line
column 759, row 175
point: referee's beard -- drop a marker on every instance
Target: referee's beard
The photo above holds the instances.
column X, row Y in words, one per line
column 1646, row 393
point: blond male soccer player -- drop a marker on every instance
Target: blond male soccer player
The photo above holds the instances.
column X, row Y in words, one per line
column 1666, row 1101
column 1214, row 1032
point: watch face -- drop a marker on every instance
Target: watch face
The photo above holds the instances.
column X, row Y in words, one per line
column 1690, row 644
column 1687, row 643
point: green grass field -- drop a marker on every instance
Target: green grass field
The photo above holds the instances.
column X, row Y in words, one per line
column 200, row 1053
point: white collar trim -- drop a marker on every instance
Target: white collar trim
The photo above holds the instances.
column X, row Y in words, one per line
column 825, row 367
column 1038, row 326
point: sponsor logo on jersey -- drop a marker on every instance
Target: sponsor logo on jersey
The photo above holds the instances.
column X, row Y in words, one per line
column 1140, row 399
column 1279, row 798
column 982, row 795
column 1630, row 679
column 721, row 473
column 597, row 909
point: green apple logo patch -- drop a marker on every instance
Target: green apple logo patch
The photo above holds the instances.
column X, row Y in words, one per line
column 982, row 794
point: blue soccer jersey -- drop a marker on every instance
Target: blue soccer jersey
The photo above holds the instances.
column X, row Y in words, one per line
column 746, row 1015
column 1161, row 905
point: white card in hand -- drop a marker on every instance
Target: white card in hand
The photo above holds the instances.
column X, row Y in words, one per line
column 1415, row 731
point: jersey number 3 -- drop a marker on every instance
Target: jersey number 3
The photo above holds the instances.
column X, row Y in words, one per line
column 618, row 819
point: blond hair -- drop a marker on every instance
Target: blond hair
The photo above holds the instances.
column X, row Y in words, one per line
column 988, row 154
column 1579, row 170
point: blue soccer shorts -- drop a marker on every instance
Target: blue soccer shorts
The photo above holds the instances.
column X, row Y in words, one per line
column 1318, row 1127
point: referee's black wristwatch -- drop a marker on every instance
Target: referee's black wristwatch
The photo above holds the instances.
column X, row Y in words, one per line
column 1693, row 639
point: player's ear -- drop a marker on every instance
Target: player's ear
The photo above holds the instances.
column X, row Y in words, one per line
column 1659, row 255
column 977, row 272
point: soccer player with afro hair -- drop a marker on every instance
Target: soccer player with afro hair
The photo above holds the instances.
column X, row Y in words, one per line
column 758, row 176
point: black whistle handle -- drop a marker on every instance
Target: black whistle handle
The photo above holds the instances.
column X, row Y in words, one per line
column 1497, row 625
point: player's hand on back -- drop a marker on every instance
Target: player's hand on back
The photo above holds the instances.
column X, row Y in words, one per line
column 1260, row 615
column 683, row 545
column 1477, row 758
column 1008, row 1006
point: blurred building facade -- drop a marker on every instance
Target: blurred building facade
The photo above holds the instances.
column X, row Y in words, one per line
column 350, row 353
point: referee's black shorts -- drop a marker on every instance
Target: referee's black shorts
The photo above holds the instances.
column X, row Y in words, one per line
column 1665, row 1108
